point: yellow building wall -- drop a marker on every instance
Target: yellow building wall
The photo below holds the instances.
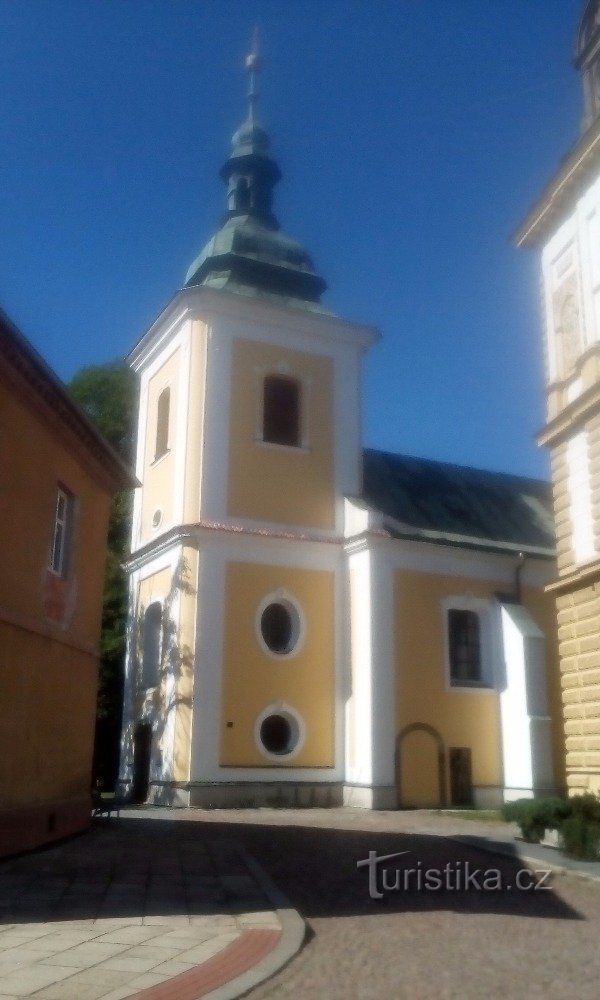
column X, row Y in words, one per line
column 47, row 710
column 252, row 680
column 36, row 461
column 462, row 718
column 273, row 482
column 158, row 474
column 48, row 660
column 193, row 464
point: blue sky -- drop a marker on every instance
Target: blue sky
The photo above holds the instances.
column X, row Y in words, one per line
column 412, row 137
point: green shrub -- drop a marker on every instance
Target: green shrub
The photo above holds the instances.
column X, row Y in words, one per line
column 577, row 819
column 586, row 807
column 527, row 815
column 553, row 812
column 580, row 837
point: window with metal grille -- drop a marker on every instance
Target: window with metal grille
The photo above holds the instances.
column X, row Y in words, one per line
column 281, row 410
column 464, row 639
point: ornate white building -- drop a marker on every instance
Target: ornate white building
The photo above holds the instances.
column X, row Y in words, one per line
column 564, row 224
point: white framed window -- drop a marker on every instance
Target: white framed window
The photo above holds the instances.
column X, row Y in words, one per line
column 468, row 644
column 62, row 540
column 280, row 625
column 279, row 732
column 163, row 408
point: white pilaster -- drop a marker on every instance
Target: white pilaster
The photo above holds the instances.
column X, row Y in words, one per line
column 525, row 723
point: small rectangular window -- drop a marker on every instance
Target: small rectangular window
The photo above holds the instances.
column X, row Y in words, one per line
column 464, row 640
column 60, row 557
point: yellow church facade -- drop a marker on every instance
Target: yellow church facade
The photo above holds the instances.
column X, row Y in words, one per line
column 312, row 623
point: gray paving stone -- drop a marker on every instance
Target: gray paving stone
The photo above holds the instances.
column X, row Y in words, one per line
column 144, row 982
column 84, row 955
column 24, row 981
column 123, row 963
column 133, row 935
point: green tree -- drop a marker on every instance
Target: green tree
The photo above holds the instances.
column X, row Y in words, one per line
column 108, row 395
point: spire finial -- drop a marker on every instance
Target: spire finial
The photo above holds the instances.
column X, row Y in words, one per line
column 253, row 65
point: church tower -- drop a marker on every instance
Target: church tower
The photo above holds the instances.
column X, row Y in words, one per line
column 248, row 441
column 564, row 224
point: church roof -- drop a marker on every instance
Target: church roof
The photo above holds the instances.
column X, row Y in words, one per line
column 453, row 504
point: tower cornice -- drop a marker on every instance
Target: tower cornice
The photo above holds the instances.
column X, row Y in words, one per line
column 560, row 194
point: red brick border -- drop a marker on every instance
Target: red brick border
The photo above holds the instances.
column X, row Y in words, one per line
column 239, row 956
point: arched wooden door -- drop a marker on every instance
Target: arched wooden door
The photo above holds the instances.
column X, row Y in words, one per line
column 420, row 768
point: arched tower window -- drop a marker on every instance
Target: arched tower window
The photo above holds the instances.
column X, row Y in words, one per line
column 162, row 423
column 281, row 410
column 151, row 640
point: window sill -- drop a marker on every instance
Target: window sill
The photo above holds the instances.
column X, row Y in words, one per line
column 474, row 686
column 157, row 460
column 300, row 449
column 57, row 574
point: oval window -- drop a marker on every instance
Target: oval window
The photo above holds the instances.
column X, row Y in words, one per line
column 279, row 734
column 277, row 628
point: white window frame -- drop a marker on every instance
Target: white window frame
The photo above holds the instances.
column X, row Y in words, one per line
column 157, row 457
column 62, row 537
column 298, row 623
column 297, row 725
column 483, row 609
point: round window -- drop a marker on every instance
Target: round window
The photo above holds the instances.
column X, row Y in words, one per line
column 277, row 628
column 279, row 734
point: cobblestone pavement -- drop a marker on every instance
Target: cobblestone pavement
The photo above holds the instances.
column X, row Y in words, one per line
column 127, row 907
column 415, row 944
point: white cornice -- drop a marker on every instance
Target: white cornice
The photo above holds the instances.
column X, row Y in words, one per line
column 206, row 303
column 559, row 193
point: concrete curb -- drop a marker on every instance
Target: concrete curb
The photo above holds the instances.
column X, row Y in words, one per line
column 293, row 932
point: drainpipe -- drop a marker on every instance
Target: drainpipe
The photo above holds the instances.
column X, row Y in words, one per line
column 521, row 558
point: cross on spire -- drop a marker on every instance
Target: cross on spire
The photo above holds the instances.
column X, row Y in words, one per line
column 253, row 67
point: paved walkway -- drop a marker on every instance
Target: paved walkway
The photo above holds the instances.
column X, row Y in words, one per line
column 142, row 906
column 165, row 905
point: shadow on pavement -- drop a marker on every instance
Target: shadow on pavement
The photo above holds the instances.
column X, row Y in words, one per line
column 148, row 868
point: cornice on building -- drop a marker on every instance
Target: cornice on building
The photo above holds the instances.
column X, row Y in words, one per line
column 559, row 196
column 572, row 415
column 584, row 576
column 43, row 391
